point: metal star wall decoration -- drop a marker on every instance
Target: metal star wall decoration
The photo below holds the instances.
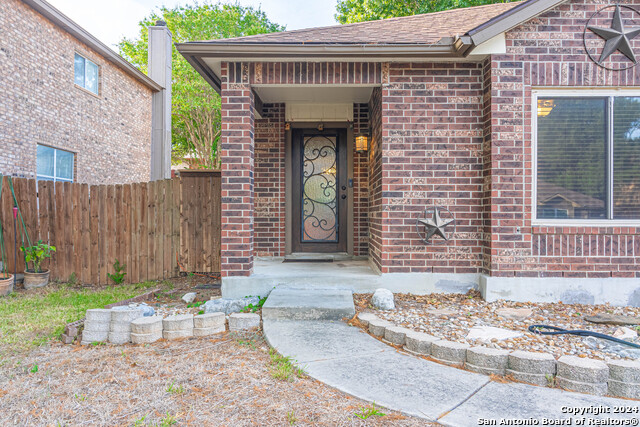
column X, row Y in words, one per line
column 435, row 224
column 617, row 38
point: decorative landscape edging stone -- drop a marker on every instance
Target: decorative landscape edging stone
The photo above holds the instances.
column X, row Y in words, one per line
column 620, row 378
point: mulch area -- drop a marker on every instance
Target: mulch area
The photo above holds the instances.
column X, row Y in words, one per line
column 450, row 316
column 223, row 381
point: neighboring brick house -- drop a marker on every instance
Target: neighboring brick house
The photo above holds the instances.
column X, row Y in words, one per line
column 507, row 115
column 70, row 107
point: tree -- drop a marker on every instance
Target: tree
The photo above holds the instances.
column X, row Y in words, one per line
column 195, row 105
column 349, row 11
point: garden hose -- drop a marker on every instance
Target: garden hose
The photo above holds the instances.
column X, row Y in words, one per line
column 553, row 330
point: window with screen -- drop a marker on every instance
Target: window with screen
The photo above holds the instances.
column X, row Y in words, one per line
column 588, row 158
column 54, row 164
column 86, row 73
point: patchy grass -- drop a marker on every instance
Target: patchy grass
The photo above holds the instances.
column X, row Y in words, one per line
column 225, row 384
column 32, row 318
column 369, row 411
column 283, row 368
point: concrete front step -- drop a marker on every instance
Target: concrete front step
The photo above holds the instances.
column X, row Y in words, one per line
column 293, row 303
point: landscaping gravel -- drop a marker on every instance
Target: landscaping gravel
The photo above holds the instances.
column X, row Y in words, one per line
column 452, row 316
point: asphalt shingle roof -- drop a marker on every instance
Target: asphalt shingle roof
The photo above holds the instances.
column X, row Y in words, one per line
column 417, row 29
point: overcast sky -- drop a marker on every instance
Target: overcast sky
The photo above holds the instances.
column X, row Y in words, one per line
column 110, row 20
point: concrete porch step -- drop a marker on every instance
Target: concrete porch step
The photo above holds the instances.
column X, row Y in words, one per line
column 296, row 303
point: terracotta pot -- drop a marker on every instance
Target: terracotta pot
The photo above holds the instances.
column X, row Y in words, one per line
column 6, row 284
column 35, row 280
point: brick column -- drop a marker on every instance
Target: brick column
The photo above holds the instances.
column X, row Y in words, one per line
column 236, row 152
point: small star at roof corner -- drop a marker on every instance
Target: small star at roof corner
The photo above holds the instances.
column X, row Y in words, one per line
column 435, row 225
column 617, row 38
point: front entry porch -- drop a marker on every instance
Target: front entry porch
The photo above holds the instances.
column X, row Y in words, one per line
column 356, row 275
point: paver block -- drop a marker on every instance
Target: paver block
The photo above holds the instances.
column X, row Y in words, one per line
column 599, row 389
column 94, row 336
column 582, row 369
column 127, row 315
column 203, row 332
column 178, row 322
column 146, row 338
column 209, row 320
column 120, row 327
column 537, row 379
column 174, row 335
column 395, row 334
column 486, row 360
column 419, row 342
column 97, row 327
column 244, row 322
column 119, row 337
column 624, row 389
column 67, row 339
column 449, row 352
column 365, row 318
column 532, row 363
column 147, row 325
column 624, row 370
column 377, row 327
column 100, row 315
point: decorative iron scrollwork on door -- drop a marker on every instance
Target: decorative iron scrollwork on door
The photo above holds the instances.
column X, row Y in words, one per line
column 319, row 189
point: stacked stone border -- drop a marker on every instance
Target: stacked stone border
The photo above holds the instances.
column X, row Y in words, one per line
column 619, row 378
column 73, row 330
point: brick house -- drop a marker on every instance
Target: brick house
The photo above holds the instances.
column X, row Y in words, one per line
column 511, row 118
column 72, row 109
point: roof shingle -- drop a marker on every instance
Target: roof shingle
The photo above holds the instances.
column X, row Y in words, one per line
column 417, row 29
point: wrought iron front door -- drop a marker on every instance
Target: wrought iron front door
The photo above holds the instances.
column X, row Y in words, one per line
column 320, row 190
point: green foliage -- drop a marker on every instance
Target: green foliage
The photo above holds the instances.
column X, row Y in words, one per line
column 369, row 411
column 36, row 254
column 118, row 276
column 291, row 418
column 349, row 11
column 34, row 368
column 253, row 308
column 191, row 94
column 195, row 304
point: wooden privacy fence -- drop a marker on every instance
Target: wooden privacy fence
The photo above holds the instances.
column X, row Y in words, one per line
column 148, row 226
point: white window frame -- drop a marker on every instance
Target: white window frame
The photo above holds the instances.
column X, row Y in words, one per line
column 580, row 93
column 54, row 178
column 84, row 86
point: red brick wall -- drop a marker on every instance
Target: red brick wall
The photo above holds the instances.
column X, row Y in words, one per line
column 432, row 155
column 269, row 216
column 547, row 51
column 305, row 73
column 375, row 178
column 360, row 184
column 237, row 185
column 40, row 104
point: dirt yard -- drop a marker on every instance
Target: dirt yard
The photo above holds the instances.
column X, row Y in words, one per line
column 225, row 381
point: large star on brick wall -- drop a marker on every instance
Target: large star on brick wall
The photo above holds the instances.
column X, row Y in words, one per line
column 435, row 225
column 617, row 38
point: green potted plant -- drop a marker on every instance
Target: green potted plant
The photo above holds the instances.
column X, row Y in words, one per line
column 6, row 280
column 34, row 255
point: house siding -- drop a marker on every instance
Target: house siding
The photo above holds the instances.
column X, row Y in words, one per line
column 110, row 134
column 269, row 216
column 432, row 134
column 548, row 52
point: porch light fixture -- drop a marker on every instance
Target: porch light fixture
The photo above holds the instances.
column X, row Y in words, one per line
column 545, row 106
column 362, row 143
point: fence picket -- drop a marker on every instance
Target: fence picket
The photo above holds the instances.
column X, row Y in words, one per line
column 146, row 226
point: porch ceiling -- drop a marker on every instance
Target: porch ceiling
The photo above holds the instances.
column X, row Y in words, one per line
column 314, row 94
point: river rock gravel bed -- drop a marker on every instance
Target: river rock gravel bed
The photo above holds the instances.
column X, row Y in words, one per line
column 451, row 316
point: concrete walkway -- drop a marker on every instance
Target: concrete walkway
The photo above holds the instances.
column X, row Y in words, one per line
column 350, row 360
